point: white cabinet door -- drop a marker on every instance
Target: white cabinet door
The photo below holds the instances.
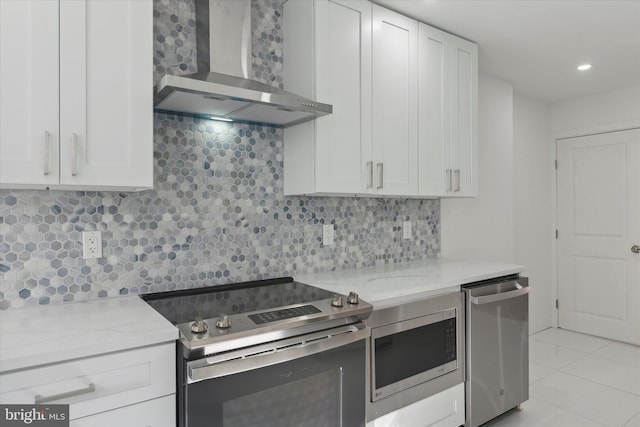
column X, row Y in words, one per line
column 434, row 103
column 448, row 149
column 395, row 102
column 28, row 93
column 464, row 145
column 330, row 154
column 106, row 93
column 344, row 62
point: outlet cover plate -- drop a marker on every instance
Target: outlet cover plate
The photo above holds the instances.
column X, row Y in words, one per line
column 406, row 229
column 327, row 234
column 91, row 244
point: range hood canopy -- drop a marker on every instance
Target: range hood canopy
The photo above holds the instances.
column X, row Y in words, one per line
column 223, row 29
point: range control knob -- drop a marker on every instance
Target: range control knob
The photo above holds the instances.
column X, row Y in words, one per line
column 199, row 326
column 337, row 301
column 223, row 322
column 353, row 298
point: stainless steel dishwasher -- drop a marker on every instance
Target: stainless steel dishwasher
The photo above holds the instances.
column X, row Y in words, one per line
column 497, row 346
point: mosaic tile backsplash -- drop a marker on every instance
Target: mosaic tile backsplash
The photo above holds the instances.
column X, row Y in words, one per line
column 217, row 213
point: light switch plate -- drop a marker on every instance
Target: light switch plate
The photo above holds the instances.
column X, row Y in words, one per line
column 327, row 234
column 406, row 229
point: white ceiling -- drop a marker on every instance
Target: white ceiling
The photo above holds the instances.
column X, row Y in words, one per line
column 537, row 44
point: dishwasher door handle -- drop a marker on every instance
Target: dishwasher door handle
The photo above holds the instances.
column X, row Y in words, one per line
column 487, row 299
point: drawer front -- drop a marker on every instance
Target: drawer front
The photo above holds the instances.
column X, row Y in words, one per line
column 445, row 409
column 159, row 412
column 95, row 384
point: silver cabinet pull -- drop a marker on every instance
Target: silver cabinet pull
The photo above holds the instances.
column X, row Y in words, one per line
column 635, row 249
column 46, row 152
column 449, row 180
column 370, row 174
column 74, row 154
column 44, row 399
column 457, row 180
column 380, row 175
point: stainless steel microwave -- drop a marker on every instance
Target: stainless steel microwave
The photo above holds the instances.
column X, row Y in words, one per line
column 416, row 350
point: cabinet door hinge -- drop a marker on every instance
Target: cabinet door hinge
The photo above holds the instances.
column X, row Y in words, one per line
column 557, row 305
column 556, row 164
column 557, row 234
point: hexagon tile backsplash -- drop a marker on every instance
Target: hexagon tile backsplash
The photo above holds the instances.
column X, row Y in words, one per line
column 217, row 213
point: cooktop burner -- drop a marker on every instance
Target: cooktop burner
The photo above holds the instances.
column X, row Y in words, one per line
column 224, row 317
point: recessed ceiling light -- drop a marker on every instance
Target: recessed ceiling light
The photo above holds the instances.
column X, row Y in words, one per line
column 584, row 67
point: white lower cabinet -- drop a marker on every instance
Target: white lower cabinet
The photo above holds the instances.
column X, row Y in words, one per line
column 159, row 412
column 108, row 385
column 445, row 409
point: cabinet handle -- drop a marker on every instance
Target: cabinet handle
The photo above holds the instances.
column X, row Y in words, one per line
column 46, row 153
column 457, row 180
column 44, row 399
column 449, row 180
column 370, row 178
column 380, row 175
column 74, row 154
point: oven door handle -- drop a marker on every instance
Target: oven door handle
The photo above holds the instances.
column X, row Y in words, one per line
column 200, row 370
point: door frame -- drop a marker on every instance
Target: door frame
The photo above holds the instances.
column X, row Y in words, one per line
column 609, row 128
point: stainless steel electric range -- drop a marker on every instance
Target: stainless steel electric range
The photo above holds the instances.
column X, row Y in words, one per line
column 271, row 353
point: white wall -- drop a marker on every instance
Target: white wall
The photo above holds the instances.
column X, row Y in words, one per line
column 533, row 205
column 511, row 219
column 596, row 113
column 481, row 228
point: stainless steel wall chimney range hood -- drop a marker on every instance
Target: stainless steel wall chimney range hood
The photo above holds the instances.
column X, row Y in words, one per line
column 223, row 30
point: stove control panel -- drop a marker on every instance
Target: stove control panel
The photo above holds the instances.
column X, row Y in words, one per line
column 287, row 313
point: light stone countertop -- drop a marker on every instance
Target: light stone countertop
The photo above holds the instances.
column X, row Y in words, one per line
column 45, row 334
column 398, row 283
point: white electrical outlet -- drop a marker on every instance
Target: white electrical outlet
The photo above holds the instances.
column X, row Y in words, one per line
column 91, row 244
column 327, row 234
column 406, row 229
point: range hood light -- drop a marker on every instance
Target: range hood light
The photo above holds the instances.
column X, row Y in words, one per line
column 220, row 119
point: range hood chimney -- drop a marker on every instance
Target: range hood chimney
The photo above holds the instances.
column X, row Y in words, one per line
column 222, row 89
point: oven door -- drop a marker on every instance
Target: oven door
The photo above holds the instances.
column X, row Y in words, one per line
column 411, row 352
column 312, row 380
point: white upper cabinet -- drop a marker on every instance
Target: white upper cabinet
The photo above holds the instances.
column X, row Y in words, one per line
column 91, row 125
column 448, row 149
column 29, row 108
column 363, row 60
column 404, row 97
column 395, row 103
column 327, row 46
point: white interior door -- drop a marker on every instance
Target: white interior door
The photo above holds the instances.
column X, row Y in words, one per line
column 599, row 223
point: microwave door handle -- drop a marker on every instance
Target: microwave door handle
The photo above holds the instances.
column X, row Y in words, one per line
column 488, row 299
column 272, row 357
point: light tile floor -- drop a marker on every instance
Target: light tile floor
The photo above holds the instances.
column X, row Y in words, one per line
column 578, row 380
